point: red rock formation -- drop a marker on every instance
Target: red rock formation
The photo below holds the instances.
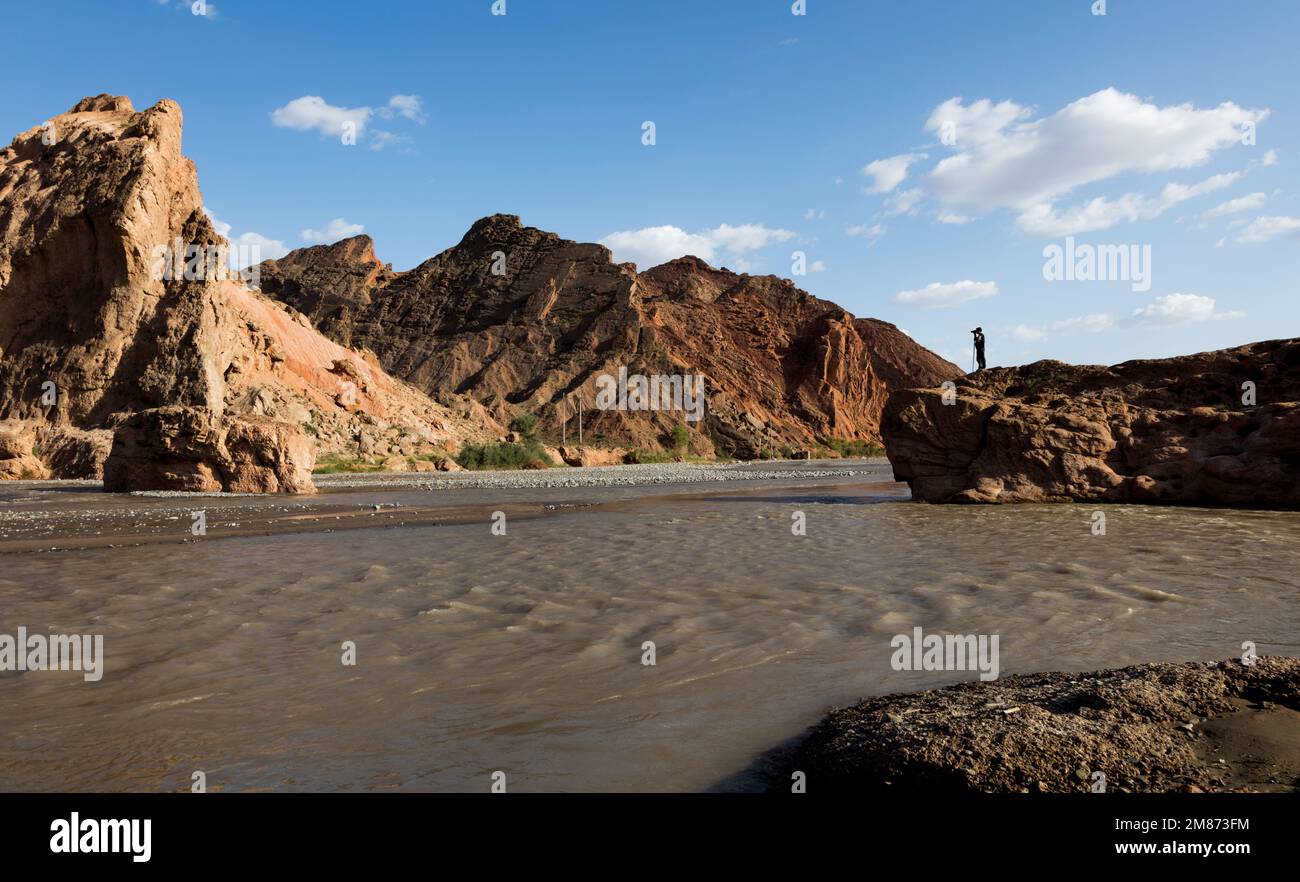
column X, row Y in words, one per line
column 201, row 383
column 782, row 367
column 1170, row 430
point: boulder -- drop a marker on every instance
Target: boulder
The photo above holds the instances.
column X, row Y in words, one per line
column 17, row 458
column 185, row 449
column 592, row 456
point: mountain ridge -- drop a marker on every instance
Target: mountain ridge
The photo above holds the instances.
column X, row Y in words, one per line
column 524, row 320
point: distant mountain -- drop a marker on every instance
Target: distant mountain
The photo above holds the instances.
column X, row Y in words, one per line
column 523, row 321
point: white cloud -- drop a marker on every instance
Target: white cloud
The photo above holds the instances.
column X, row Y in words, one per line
column 247, row 248
column 873, row 232
column 379, row 139
column 1094, row 323
column 948, row 217
column 222, row 228
column 311, row 112
column 982, row 122
column 905, row 202
column 747, row 237
column 1026, row 334
column 652, row 246
column 335, row 230
column 814, row 214
column 1166, row 311
column 1180, row 309
column 1236, row 206
column 408, row 106
column 1100, row 214
column 1005, row 159
column 886, row 174
column 817, row 266
column 938, row 294
column 1262, row 229
column 260, row 247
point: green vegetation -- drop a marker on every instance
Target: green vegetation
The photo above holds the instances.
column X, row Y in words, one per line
column 641, row 456
column 507, row 454
column 504, row 455
column 526, row 425
column 335, row 463
column 855, row 449
column 681, row 437
column 527, row 454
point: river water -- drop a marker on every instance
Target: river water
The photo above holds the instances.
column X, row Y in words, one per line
column 523, row 653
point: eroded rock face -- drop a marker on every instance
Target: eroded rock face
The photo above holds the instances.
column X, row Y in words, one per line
column 521, row 320
column 1161, row 431
column 184, row 448
column 17, row 459
column 96, row 337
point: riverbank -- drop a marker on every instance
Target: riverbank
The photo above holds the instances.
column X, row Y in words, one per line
column 1152, row 728
column 70, row 515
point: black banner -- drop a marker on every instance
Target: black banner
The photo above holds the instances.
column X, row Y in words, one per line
column 234, row 831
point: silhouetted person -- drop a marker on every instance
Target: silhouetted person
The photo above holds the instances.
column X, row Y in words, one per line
column 979, row 347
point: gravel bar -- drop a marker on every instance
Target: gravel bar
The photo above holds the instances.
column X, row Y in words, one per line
column 608, row 476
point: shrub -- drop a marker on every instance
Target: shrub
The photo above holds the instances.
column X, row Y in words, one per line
column 526, row 425
column 641, row 456
column 504, row 455
column 334, row 463
column 855, row 449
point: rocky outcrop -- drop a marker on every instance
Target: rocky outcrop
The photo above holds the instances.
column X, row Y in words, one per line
column 17, row 453
column 523, row 321
column 118, row 314
column 1216, row 428
column 1222, row 726
column 186, row 449
column 591, row 456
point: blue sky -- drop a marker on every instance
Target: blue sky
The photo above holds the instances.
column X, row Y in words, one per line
column 1120, row 129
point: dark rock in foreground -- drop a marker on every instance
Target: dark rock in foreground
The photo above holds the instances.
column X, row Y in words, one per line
column 1222, row 726
column 1216, row 428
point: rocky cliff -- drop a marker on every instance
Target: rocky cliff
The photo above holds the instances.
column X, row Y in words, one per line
column 1216, row 428
column 524, row 321
column 165, row 374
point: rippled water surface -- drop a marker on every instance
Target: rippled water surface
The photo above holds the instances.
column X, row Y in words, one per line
column 522, row 652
